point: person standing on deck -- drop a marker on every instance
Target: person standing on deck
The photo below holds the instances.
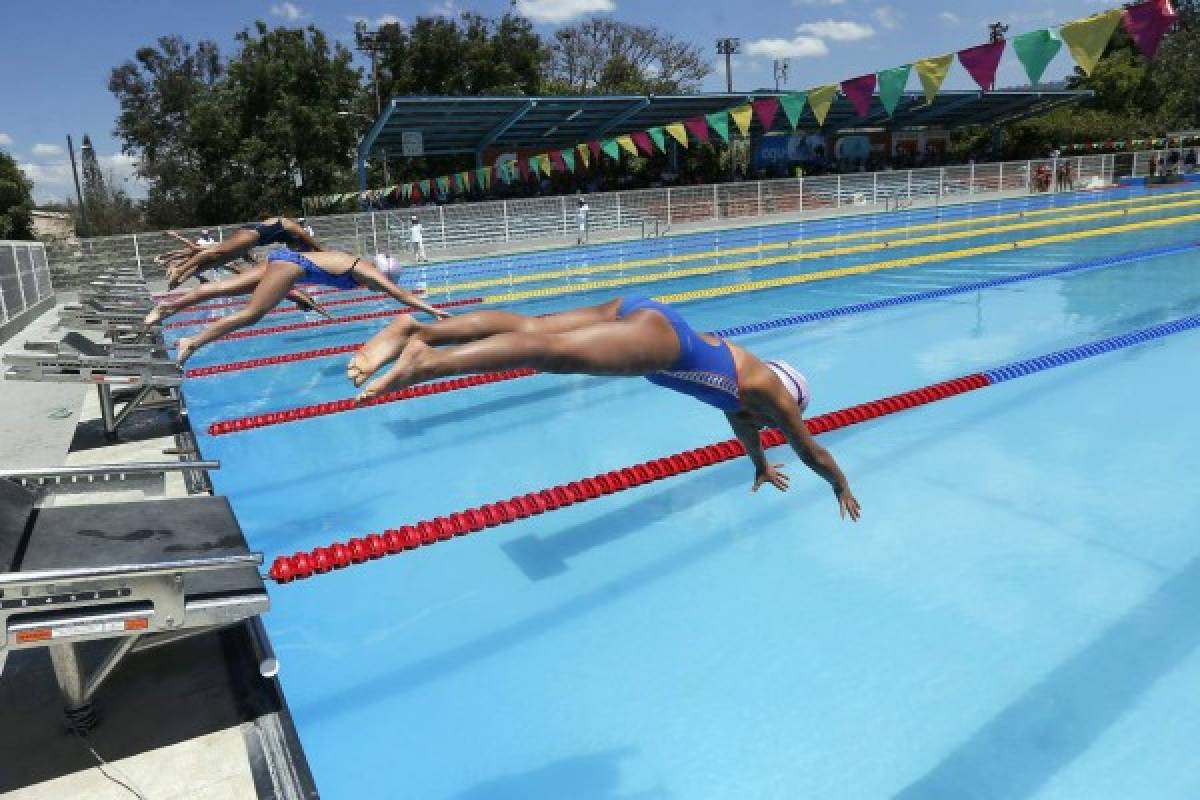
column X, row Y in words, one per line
column 417, row 239
column 581, row 216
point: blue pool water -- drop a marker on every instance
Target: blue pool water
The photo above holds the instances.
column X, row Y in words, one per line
column 1013, row 617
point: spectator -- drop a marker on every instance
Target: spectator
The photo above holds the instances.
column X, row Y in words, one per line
column 206, row 239
column 581, row 216
column 1068, row 177
column 1153, row 166
column 417, row 239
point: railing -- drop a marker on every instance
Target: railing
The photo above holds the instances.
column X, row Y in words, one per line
column 479, row 228
column 24, row 277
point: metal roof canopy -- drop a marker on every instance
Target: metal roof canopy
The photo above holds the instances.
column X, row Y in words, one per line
column 473, row 125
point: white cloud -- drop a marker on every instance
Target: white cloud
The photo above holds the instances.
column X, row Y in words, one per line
column 386, row 19
column 799, row 47
column 47, row 150
column 5, row 140
column 837, row 30
column 52, row 179
column 949, row 17
column 887, row 17
column 289, row 11
column 446, row 8
column 561, row 10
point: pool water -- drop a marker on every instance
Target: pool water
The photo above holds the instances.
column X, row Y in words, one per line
column 1014, row 616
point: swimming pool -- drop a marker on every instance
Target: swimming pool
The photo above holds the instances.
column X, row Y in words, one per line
column 1012, row 617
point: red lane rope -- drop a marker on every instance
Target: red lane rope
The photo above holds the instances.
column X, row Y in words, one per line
column 321, row 323
column 267, row 361
column 308, row 288
column 345, row 301
column 351, row 404
column 319, row 560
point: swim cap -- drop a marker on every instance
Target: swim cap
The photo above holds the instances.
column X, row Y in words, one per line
column 793, row 380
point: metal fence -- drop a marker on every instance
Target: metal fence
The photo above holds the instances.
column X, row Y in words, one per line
column 480, row 228
column 24, row 277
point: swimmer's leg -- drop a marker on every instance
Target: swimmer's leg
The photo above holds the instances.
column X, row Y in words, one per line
column 637, row 345
column 243, row 283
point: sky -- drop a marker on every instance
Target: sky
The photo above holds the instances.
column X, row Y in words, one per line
column 57, row 56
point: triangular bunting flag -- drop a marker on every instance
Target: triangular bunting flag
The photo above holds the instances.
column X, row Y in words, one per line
column 820, row 99
column 793, row 106
column 483, row 178
column 741, row 117
column 642, row 140
column 556, row 160
column 1086, row 38
column 1035, row 50
column 406, row 191
column 594, row 146
column 534, row 165
column 656, row 136
column 416, row 193
column 611, row 149
column 719, row 122
column 544, row 163
column 425, row 187
column 678, row 132
column 698, row 128
column 466, row 181
column 584, row 154
column 627, row 145
column 765, row 109
column 1147, row 22
column 981, row 61
column 932, row 72
column 891, row 86
column 858, row 91
column 568, row 158
column 443, row 184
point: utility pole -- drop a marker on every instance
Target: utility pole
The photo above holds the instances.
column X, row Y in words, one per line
column 78, row 193
column 373, row 43
column 729, row 47
column 781, row 72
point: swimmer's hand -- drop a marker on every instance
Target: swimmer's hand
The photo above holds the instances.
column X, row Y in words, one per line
column 848, row 503
column 772, row 474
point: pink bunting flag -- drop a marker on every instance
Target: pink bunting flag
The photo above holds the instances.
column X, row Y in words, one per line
column 416, row 193
column 698, row 127
column 642, row 140
column 765, row 109
column 858, row 91
column 556, row 161
column 1147, row 22
column 981, row 61
column 594, row 146
column 523, row 168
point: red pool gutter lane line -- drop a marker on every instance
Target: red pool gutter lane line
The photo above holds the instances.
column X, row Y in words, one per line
column 321, row 323
column 320, row 560
column 345, row 301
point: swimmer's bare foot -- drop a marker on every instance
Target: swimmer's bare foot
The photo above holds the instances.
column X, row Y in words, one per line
column 382, row 348
column 185, row 349
column 404, row 373
column 157, row 314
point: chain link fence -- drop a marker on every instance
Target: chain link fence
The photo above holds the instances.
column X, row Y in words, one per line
column 467, row 229
column 24, row 278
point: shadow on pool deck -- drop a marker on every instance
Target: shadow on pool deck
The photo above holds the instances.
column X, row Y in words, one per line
column 1047, row 727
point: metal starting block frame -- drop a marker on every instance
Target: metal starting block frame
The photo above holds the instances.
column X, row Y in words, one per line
column 140, row 574
column 137, row 367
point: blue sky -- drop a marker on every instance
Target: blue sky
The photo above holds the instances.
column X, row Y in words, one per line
column 57, row 56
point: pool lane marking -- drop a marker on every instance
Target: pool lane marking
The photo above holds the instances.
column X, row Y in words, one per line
column 359, row 549
column 695, row 256
column 752, row 263
column 270, row 418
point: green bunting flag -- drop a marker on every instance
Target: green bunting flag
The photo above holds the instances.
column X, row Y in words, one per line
column 483, row 177
column 1035, row 50
column 719, row 122
column 443, row 184
column 611, row 149
column 568, row 157
column 425, row 187
column 659, row 139
column 891, row 86
column 793, row 106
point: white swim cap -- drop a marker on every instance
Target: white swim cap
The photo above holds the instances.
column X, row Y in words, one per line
column 793, row 380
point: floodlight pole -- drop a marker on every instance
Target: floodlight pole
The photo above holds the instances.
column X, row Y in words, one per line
column 78, row 194
column 372, row 43
column 728, row 47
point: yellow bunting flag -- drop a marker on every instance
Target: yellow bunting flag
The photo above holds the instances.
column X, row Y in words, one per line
column 932, row 71
column 544, row 162
column 741, row 117
column 820, row 99
column 627, row 145
column 1086, row 38
column 678, row 132
column 584, row 154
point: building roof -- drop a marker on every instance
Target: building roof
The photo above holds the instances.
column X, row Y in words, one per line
column 473, row 125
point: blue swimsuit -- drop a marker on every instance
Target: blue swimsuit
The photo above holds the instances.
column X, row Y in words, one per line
column 703, row 371
column 275, row 233
column 313, row 273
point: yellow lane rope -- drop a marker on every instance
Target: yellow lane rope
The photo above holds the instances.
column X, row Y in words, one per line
column 902, row 230
column 751, row 263
column 862, row 269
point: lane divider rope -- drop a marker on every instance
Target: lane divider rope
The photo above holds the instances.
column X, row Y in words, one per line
column 338, row 555
column 249, row 333
column 193, row 322
column 439, row 387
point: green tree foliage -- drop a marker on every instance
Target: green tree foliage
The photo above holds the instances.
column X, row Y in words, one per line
column 16, row 201
column 605, row 55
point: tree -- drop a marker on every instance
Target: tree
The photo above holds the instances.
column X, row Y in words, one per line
column 16, row 201
column 110, row 210
column 604, row 55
